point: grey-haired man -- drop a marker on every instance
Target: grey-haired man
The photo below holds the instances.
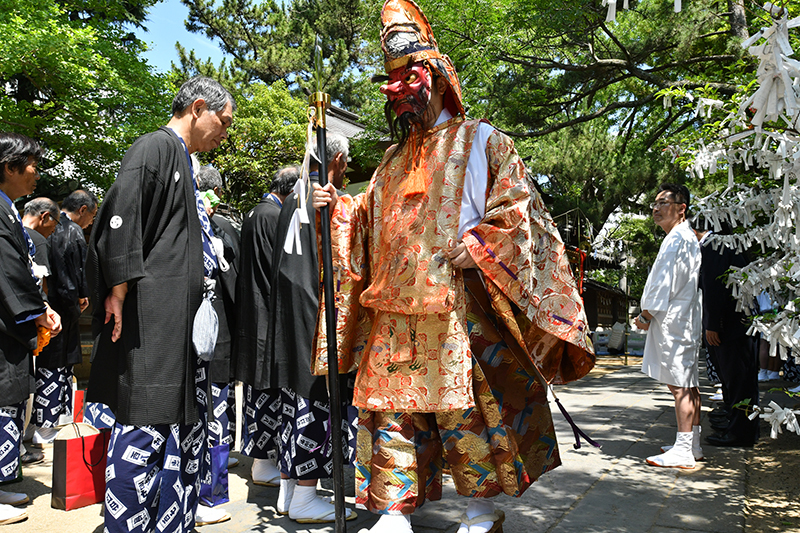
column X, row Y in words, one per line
column 150, row 253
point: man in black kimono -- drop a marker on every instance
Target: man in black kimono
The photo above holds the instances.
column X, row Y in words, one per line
column 41, row 215
column 285, row 364
column 261, row 409
column 69, row 296
column 731, row 349
column 23, row 310
column 150, row 255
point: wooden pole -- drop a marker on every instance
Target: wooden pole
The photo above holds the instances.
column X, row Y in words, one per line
column 321, row 101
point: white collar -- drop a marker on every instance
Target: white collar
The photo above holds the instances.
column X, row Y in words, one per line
column 444, row 116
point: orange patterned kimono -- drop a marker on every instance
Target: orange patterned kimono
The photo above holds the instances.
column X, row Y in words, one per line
column 446, row 371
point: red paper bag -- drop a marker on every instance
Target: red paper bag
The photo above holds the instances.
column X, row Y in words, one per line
column 77, row 407
column 79, row 466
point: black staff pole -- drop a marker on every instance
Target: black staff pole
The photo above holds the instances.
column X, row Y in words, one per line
column 320, row 102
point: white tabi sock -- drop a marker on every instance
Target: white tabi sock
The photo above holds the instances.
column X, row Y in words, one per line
column 697, row 450
column 307, row 504
column 679, row 456
column 683, row 444
column 478, row 507
column 285, row 495
column 391, row 523
column 265, row 472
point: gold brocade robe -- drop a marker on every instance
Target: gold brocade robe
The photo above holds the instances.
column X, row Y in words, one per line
column 401, row 307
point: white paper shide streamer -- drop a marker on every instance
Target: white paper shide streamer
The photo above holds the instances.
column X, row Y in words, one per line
column 612, row 8
column 762, row 137
column 300, row 216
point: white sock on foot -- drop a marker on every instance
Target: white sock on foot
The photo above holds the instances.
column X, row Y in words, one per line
column 10, row 514
column 307, row 504
column 44, row 435
column 285, row 495
column 391, row 524
column 478, row 507
column 210, row 515
column 680, row 456
column 265, row 472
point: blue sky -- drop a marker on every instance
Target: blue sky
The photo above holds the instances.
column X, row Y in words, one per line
column 165, row 24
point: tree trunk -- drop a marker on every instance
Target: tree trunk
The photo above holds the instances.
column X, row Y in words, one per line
column 738, row 19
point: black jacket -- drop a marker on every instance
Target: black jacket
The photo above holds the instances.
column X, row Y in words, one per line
column 19, row 298
column 294, row 305
column 719, row 306
column 253, row 292
column 147, row 233
column 66, row 285
column 225, row 302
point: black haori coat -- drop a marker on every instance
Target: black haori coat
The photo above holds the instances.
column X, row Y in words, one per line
column 220, row 368
column 253, row 291
column 66, row 285
column 294, row 305
column 147, row 233
column 19, row 298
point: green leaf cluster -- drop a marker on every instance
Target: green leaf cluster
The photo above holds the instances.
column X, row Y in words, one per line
column 74, row 80
column 584, row 99
column 269, row 41
column 640, row 242
column 268, row 133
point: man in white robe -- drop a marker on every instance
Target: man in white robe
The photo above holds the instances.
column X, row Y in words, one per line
column 671, row 314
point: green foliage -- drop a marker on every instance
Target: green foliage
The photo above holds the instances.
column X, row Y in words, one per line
column 536, row 66
column 367, row 149
column 584, row 98
column 276, row 41
column 74, row 81
column 268, row 133
column 273, row 41
column 119, row 12
column 587, row 96
column 588, row 167
column 640, row 241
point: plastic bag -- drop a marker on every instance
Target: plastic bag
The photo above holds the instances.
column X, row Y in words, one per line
column 206, row 325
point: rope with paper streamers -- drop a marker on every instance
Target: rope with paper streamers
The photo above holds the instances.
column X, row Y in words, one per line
column 767, row 141
column 777, row 416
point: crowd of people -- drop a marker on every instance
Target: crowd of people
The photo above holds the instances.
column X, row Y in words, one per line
column 456, row 308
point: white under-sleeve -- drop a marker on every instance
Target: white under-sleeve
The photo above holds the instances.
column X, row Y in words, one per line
column 473, row 201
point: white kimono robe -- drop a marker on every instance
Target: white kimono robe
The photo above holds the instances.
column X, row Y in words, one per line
column 671, row 295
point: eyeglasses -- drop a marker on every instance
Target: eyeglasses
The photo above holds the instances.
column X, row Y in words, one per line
column 661, row 204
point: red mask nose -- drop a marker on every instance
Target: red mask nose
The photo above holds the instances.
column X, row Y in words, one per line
column 392, row 89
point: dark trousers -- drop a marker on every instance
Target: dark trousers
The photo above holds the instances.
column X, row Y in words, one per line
column 736, row 361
